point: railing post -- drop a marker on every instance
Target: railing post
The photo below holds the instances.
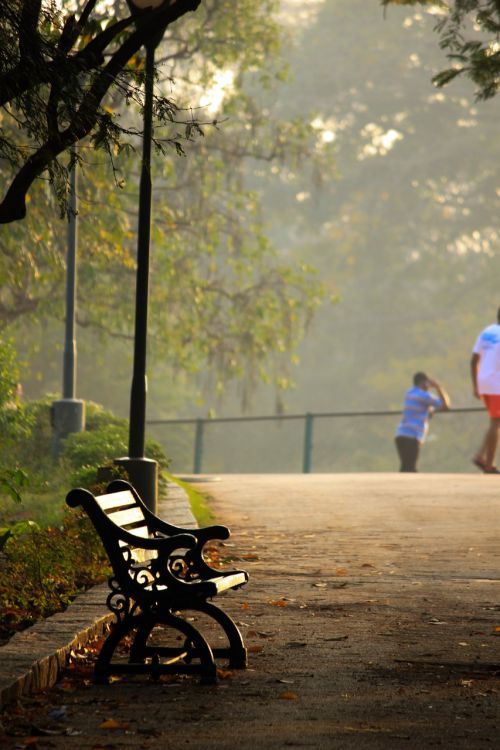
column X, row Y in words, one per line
column 308, row 443
column 198, row 446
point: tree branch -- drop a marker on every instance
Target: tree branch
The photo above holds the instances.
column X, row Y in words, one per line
column 13, row 206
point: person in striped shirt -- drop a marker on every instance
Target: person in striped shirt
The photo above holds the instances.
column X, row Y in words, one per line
column 418, row 406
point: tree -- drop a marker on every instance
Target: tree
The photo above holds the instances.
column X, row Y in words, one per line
column 469, row 33
column 56, row 68
column 221, row 301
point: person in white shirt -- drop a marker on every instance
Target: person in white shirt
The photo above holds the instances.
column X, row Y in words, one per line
column 485, row 373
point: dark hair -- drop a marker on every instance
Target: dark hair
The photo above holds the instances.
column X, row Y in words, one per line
column 419, row 377
column 498, row 314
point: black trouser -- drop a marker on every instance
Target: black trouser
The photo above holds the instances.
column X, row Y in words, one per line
column 408, row 449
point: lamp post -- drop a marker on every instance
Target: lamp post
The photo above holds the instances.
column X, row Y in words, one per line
column 143, row 472
column 68, row 413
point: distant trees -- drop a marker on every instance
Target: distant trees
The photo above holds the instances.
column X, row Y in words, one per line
column 469, row 32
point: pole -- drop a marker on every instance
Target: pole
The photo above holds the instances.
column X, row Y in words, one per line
column 308, row 436
column 68, row 413
column 139, row 378
column 198, row 446
column 69, row 361
column 143, row 472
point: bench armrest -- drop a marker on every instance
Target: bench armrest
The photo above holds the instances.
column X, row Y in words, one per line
column 203, row 535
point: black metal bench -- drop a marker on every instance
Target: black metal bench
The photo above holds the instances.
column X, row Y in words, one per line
column 159, row 571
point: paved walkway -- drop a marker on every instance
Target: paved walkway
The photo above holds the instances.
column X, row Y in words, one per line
column 372, row 619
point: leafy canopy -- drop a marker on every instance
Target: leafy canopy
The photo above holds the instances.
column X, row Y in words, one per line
column 56, row 70
column 469, row 33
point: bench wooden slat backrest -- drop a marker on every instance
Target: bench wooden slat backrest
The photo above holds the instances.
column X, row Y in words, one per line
column 122, row 509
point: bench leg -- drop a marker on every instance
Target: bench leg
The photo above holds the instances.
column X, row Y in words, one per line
column 236, row 653
column 195, row 647
column 119, row 630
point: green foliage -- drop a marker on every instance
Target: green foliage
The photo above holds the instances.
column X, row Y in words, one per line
column 43, row 569
column 469, row 31
column 9, row 373
column 28, row 443
column 14, row 421
column 11, row 481
column 104, row 439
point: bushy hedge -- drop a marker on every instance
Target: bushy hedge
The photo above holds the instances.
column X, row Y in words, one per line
column 105, row 438
column 29, row 445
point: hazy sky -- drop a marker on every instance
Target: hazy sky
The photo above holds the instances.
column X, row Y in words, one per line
column 302, row 10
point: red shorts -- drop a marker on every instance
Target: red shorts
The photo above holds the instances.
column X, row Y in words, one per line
column 492, row 404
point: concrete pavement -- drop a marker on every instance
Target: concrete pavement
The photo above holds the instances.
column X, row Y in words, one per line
column 372, row 619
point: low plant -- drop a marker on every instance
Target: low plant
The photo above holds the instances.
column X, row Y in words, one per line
column 85, row 454
column 42, row 570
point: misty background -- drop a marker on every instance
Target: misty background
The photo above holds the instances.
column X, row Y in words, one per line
column 402, row 231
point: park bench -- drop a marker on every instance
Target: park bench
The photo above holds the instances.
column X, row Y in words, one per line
column 159, row 573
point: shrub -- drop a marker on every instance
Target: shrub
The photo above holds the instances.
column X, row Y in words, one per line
column 15, row 423
column 9, row 372
column 105, row 438
column 42, row 570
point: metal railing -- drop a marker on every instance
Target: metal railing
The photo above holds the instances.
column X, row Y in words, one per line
column 308, row 419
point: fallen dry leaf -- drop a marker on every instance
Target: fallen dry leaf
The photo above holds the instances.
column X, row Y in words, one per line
column 337, row 638
column 278, row 603
column 255, row 649
column 341, row 572
column 113, row 725
column 289, row 696
column 225, row 674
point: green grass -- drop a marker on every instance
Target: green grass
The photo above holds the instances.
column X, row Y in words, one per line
column 48, row 508
column 45, row 508
column 197, row 500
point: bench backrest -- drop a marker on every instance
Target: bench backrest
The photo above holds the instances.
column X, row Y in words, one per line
column 125, row 512
column 112, row 514
column 122, row 508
